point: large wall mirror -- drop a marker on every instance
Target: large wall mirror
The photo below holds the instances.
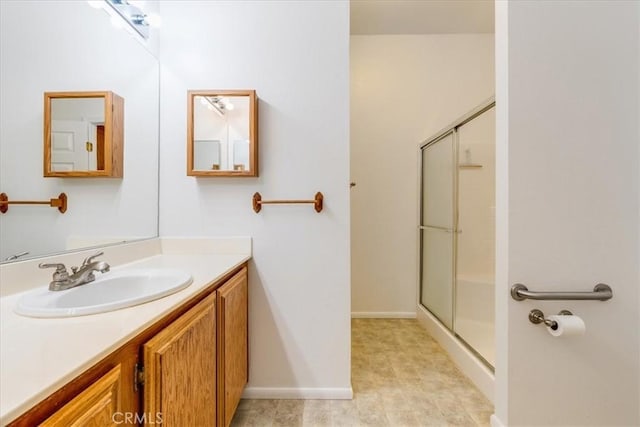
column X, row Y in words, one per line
column 83, row 134
column 69, row 46
column 222, row 137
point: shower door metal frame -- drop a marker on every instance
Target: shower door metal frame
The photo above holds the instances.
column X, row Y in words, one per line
column 453, row 230
column 451, row 129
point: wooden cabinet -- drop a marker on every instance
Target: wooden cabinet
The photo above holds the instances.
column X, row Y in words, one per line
column 187, row 369
column 83, row 134
column 233, row 368
column 98, row 405
column 180, row 369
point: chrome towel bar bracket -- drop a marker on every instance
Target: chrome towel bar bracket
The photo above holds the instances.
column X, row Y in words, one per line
column 601, row 292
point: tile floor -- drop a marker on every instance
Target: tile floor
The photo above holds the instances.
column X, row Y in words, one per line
column 401, row 377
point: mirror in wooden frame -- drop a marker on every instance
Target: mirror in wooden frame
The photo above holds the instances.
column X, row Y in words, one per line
column 222, row 133
column 83, row 134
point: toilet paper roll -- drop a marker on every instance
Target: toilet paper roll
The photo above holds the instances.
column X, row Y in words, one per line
column 568, row 325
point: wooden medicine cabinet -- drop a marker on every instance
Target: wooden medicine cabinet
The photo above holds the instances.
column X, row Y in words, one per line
column 222, row 133
column 83, row 134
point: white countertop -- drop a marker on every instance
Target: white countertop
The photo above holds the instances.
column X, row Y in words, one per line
column 38, row 356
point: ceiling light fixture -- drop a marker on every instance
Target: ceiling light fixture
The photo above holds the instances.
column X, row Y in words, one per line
column 133, row 15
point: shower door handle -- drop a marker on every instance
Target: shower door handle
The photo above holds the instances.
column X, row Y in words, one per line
column 436, row 227
column 451, row 230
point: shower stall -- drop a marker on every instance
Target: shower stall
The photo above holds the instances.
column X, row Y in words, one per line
column 457, row 229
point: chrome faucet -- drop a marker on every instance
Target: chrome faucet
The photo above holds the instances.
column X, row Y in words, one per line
column 62, row 280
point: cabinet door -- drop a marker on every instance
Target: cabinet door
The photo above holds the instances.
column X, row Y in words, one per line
column 98, row 405
column 180, row 370
column 232, row 345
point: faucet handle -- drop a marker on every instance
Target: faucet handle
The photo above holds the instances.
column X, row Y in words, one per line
column 89, row 259
column 58, row 266
column 60, row 273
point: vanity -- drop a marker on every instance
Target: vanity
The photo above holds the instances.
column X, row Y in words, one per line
column 179, row 360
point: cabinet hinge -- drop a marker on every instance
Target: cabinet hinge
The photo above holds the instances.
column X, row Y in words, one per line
column 138, row 377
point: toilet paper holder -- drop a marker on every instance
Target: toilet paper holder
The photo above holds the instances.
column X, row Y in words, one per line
column 537, row 316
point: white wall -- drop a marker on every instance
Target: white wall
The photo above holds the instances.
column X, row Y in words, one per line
column 404, row 88
column 299, row 275
column 568, row 209
column 69, row 46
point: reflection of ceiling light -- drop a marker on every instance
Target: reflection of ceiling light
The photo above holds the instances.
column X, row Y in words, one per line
column 219, row 104
column 132, row 14
column 213, row 103
column 154, row 20
column 139, row 19
column 226, row 103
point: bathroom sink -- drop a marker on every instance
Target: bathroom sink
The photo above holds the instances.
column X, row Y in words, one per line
column 110, row 291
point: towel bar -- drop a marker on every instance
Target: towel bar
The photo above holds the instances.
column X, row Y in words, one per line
column 601, row 292
column 60, row 202
column 257, row 202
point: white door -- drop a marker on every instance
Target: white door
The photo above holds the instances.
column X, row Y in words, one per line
column 68, row 145
column 567, row 98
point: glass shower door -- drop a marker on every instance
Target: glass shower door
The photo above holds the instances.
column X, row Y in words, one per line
column 437, row 228
column 475, row 247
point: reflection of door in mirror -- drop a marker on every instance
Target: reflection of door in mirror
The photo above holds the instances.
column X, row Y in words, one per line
column 229, row 119
column 67, row 145
column 74, row 133
column 100, row 147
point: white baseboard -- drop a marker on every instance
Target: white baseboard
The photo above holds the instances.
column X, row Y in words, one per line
column 383, row 314
column 297, row 393
column 468, row 363
column 495, row 422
